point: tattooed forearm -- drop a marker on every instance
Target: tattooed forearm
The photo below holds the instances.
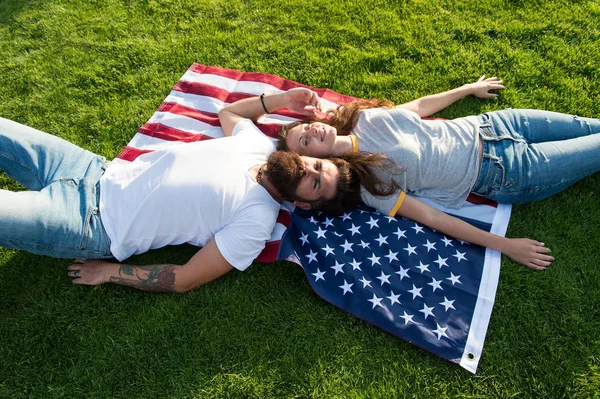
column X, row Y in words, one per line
column 155, row 278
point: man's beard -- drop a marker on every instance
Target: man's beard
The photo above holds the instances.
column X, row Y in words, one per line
column 284, row 171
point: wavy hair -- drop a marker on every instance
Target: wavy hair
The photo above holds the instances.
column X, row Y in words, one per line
column 354, row 170
column 343, row 118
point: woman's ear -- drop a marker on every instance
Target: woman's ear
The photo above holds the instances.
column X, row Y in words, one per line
column 303, row 205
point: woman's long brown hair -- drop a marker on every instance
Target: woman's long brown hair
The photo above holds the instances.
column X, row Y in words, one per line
column 343, row 118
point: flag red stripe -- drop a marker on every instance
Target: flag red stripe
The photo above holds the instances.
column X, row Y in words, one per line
column 284, row 218
column 269, row 253
column 203, row 116
column 130, row 153
column 477, row 200
column 167, row 133
column 275, row 81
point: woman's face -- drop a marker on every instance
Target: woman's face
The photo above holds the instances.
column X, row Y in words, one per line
column 312, row 139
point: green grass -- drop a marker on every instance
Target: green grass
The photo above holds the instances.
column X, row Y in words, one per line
column 94, row 71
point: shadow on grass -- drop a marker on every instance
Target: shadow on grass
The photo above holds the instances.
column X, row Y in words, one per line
column 263, row 329
column 10, row 8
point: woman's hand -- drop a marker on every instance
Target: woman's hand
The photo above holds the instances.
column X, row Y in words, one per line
column 530, row 253
column 91, row 272
column 303, row 101
column 482, row 87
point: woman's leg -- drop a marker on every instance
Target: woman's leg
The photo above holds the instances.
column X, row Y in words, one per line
column 35, row 159
column 516, row 170
column 537, row 126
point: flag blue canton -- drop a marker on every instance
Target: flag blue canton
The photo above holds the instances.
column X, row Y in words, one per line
column 401, row 276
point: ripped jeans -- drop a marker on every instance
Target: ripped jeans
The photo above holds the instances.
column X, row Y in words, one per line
column 530, row 155
column 59, row 215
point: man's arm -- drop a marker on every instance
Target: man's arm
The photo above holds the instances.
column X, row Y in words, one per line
column 528, row 252
column 205, row 266
column 429, row 105
column 299, row 100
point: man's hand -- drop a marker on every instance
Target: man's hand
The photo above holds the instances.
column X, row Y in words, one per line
column 205, row 266
column 92, row 272
column 482, row 87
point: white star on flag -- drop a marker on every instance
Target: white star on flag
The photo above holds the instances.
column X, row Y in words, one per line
column 364, row 244
column 447, row 304
column 347, row 246
column 365, row 282
column 320, row 232
column 416, row 292
column 328, row 222
column 373, row 223
column 441, row 262
column 355, row 265
column 403, row 273
column 376, row 301
column 338, row 267
column 374, row 259
column 440, row 331
column 435, row 284
column 411, row 250
column 427, row 311
column 460, row 256
column 393, row 298
column 407, row 318
column 400, row 233
column 454, row 279
column 381, row 240
column 319, row 275
column 423, row 268
column 304, row 238
column 392, row 256
column 429, row 245
column 328, row 250
column 384, row 278
column 418, row 229
column 447, row 241
column 346, row 287
column 312, row 256
column 354, row 229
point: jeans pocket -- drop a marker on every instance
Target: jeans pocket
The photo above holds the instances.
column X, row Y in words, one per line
column 88, row 227
column 494, row 176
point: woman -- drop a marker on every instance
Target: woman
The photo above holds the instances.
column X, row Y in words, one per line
column 480, row 154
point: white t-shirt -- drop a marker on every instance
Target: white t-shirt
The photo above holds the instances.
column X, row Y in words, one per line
column 190, row 193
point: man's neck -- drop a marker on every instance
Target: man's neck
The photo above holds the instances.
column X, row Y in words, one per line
column 264, row 180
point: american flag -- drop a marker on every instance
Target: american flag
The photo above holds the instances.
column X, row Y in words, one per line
column 428, row 289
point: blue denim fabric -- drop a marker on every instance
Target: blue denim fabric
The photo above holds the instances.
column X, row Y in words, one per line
column 530, row 155
column 59, row 217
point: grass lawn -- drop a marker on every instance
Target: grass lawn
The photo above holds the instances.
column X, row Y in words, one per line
column 93, row 71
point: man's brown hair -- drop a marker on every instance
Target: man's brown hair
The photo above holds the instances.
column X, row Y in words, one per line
column 285, row 171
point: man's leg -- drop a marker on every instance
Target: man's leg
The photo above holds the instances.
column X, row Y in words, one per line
column 60, row 217
column 35, row 159
column 60, row 220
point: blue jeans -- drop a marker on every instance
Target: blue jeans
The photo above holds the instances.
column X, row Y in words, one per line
column 59, row 215
column 530, row 155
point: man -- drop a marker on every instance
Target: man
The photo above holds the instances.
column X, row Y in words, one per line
column 216, row 194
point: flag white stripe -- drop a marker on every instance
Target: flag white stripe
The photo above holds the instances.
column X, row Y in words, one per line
column 486, row 294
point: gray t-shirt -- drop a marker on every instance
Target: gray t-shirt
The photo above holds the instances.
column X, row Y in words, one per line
column 440, row 157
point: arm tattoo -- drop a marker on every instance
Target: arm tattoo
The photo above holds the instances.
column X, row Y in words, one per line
column 154, row 278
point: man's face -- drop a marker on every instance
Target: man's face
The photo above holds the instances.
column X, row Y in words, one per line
column 303, row 179
column 319, row 179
